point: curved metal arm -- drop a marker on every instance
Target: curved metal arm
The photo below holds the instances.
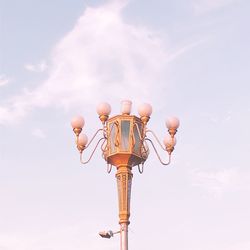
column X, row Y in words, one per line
column 93, row 137
column 156, row 138
column 85, row 162
column 169, row 155
column 109, row 168
column 140, row 169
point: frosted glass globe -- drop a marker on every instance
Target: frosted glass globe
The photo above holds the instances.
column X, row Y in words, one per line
column 103, row 109
column 77, row 122
column 126, row 106
column 172, row 123
column 145, row 109
column 82, row 140
column 168, row 141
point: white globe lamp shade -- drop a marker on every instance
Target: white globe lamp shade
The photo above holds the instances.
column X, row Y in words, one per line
column 145, row 110
column 77, row 122
column 169, row 141
column 103, row 109
column 82, row 140
column 172, row 123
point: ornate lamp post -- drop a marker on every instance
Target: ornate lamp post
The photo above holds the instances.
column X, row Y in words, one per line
column 125, row 140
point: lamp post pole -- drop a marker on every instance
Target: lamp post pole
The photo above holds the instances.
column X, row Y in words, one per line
column 124, row 181
column 124, row 236
column 125, row 140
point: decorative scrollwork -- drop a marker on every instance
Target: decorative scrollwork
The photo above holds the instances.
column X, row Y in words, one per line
column 141, row 168
column 169, row 155
column 109, row 168
column 87, row 161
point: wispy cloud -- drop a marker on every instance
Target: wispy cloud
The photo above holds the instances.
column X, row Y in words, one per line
column 64, row 237
column 4, row 80
column 203, row 6
column 218, row 182
column 216, row 119
column 40, row 67
column 243, row 245
column 174, row 54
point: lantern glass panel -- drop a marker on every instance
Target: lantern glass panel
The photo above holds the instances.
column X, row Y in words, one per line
column 137, row 145
column 125, row 131
column 113, row 134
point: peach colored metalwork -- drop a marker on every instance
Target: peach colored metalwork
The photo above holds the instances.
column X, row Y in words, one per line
column 124, row 145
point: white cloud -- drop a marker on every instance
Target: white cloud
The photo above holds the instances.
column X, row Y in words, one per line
column 4, row 80
column 41, row 67
column 218, row 182
column 202, row 6
column 37, row 132
column 101, row 58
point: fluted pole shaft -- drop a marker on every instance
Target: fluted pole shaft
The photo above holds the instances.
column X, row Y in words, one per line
column 124, row 182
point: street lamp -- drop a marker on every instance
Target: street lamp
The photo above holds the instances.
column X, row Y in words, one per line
column 125, row 144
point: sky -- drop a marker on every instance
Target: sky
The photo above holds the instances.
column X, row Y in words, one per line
column 187, row 58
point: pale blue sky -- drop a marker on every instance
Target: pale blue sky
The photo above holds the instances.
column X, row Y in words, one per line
column 187, row 58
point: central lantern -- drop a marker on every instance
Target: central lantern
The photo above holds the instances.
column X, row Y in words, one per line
column 125, row 141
